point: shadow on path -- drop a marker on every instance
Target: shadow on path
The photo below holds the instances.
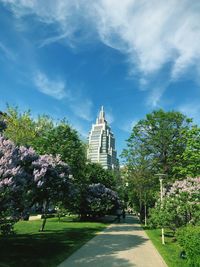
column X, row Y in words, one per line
column 106, row 248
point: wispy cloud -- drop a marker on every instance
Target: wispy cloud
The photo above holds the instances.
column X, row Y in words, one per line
column 82, row 108
column 80, row 128
column 128, row 125
column 151, row 33
column 7, row 52
column 80, row 105
column 109, row 117
column 154, row 96
column 54, row 88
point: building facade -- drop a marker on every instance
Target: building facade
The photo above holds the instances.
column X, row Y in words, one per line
column 101, row 144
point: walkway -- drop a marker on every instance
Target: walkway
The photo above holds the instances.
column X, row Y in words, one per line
column 122, row 244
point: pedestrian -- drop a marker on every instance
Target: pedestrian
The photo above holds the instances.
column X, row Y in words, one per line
column 124, row 214
column 119, row 213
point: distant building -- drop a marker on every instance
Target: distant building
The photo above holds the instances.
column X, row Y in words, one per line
column 101, row 144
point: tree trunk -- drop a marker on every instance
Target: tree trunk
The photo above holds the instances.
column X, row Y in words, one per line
column 145, row 214
column 44, row 216
column 140, row 206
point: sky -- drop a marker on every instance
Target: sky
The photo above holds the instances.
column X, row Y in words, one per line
column 68, row 58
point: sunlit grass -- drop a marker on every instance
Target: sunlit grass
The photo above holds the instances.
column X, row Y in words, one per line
column 170, row 251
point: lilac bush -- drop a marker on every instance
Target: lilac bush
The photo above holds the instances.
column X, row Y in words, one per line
column 16, row 179
column 181, row 205
column 101, row 200
column 27, row 178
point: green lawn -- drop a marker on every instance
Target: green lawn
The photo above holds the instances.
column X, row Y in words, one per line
column 28, row 247
column 170, row 251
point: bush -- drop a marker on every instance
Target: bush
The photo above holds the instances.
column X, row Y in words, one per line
column 189, row 239
column 7, row 227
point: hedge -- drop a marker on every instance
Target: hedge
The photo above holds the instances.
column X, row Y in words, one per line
column 189, row 239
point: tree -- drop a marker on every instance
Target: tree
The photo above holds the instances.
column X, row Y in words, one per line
column 95, row 173
column 152, row 148
column 160, row 138
column 63, row 140
column 20, row 127
column 27, row 179
column 100, row 200
column 47, row 137
column 16, row 180
column 189, row 161
column 2, row 122
column 51, row 177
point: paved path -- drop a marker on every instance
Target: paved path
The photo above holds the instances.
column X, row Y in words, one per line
column 122, row 244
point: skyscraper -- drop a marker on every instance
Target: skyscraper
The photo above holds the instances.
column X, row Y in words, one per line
column 101, row 147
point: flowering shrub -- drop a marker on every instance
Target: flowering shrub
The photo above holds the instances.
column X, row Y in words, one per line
column 16, row 176
column 26, row 179
column 181, row 205
column 101, row 200
column 51, row 177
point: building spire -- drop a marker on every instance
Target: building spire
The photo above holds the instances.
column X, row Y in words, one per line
column 102, row 114
column 101, row 118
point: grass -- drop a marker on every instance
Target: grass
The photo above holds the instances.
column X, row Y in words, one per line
column 29, row 247
column 170, row 251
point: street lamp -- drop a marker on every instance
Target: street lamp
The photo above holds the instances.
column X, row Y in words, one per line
column 161, row 177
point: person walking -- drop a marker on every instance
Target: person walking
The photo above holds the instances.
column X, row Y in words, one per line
column 123, row 214
column 119, row 213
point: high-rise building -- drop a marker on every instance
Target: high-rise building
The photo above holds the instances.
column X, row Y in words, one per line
column 101, row 147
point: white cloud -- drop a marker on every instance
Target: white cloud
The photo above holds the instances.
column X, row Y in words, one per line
column 54, row 88
column 151, row 33
column 80, row 105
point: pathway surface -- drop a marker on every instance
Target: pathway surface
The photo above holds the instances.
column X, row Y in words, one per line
column 122, row 244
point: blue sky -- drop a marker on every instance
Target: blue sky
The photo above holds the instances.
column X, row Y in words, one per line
column 67, row 58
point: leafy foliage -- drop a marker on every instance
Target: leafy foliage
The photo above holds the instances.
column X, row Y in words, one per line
column 189, row 161
column 20, row 128
column 26, row 179
column 189, row 238
column 181, row 205
column 156, row 145
column 63, row 140
column 47, row 137
column 94, row 173
column 100, row 200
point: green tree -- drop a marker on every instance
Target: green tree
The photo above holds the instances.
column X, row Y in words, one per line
column 47, row 137
column 160, row 138
column 20, row 127
column 63, row 140
column 95, row 173
column 189, row 161
column 152, row 148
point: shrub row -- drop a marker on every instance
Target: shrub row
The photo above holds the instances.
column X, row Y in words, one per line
column 189, row 239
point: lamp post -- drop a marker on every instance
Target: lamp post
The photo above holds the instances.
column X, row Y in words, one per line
column 161, row 176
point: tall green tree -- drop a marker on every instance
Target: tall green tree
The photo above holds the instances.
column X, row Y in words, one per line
column 62, row 139
column 160, row 138
column 153, row 147
column 189, row 161
column 47, row 137
column 20, row 127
